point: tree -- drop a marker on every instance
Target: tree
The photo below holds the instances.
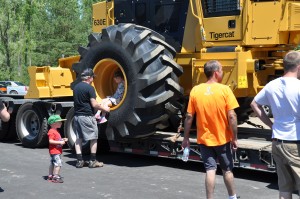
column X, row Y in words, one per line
column 38, row 32
column 10, row 37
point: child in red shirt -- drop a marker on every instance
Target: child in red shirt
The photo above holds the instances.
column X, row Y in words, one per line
column 55, row 148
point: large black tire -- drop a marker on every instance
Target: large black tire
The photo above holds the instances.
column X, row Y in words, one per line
column 151, row 77
column 70, row 134
column 31, row 125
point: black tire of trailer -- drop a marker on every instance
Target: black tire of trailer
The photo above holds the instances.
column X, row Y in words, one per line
column 31, row 125
column 146, row 61
column 70, row 134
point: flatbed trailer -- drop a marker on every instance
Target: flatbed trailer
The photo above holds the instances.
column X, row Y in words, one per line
column 254, row 153
column 29, row 125
column 28, row 121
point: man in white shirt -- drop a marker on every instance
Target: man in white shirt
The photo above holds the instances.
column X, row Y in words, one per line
column 283, row 96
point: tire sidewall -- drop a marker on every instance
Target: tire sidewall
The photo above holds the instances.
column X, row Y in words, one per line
column 70, row 133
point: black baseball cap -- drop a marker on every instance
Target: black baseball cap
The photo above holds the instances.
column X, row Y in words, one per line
column 88, row 73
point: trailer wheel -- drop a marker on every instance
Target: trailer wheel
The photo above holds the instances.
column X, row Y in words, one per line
column 70, row 134
column 13, row 92
column 31, row 125
column 150, row 73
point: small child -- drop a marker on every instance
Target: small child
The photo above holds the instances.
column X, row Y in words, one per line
column 55, row 148
column 113, row 100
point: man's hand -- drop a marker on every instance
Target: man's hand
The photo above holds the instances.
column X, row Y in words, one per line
column 185, row 143
column 4, row 114
column 234, row 145
column 106, row 109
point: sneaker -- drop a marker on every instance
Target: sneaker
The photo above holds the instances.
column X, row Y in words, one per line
column 103, row 120
column 86, row 163
column 50, row 177
column 57, row 179
column 79, row 163
column 98, row 121
column 97, row 115
column 95, row 164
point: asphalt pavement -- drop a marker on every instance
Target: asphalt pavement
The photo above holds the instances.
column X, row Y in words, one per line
column 124, row 176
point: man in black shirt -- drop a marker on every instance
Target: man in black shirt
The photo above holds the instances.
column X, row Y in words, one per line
column 84, row 120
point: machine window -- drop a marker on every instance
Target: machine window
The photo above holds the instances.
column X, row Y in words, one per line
column 216, row 8
column 166, row 18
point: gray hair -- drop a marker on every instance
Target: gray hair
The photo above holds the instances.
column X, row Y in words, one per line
column 210, row 67
column 291, row 60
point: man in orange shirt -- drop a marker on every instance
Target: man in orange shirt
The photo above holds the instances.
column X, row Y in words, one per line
column 214, row 105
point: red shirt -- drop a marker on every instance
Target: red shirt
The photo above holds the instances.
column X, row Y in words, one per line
column 53, row 134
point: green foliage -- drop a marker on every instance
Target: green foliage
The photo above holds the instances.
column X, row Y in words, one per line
column 37, row 33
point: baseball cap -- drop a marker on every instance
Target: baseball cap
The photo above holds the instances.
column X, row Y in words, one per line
column 88, row 73
column 55, row 118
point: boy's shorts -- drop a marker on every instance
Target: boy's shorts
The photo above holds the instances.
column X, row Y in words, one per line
column 85, row 127
column 56, row 160
column 210, row 155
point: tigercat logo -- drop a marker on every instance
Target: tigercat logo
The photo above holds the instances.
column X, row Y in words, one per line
column 216, row 36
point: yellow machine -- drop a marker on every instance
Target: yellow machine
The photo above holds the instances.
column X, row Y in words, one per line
column 161, row 48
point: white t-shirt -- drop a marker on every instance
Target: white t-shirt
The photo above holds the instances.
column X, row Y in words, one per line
column 283, row 96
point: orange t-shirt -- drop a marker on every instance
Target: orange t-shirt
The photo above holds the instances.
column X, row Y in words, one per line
column 211, row 103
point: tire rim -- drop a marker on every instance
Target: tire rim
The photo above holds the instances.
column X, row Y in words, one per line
column 30, row 124
column 72, row 132
column 104, row 83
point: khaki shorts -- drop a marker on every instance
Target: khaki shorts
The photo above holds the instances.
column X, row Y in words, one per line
column 85, row 127
column 287, row 159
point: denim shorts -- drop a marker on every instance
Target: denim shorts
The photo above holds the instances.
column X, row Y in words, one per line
column 213, row 154
column 56, row 160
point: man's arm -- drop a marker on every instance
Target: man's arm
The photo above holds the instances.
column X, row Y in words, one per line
column 98, row 106
column 187, row 127
column 232, row 119
column 259, row 111
column 4, row 114
column 233, row 123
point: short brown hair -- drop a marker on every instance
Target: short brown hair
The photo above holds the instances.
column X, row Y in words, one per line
column 119, row 73
column 291, row 60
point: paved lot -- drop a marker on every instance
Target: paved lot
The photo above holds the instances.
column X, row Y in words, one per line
column 124, row 176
